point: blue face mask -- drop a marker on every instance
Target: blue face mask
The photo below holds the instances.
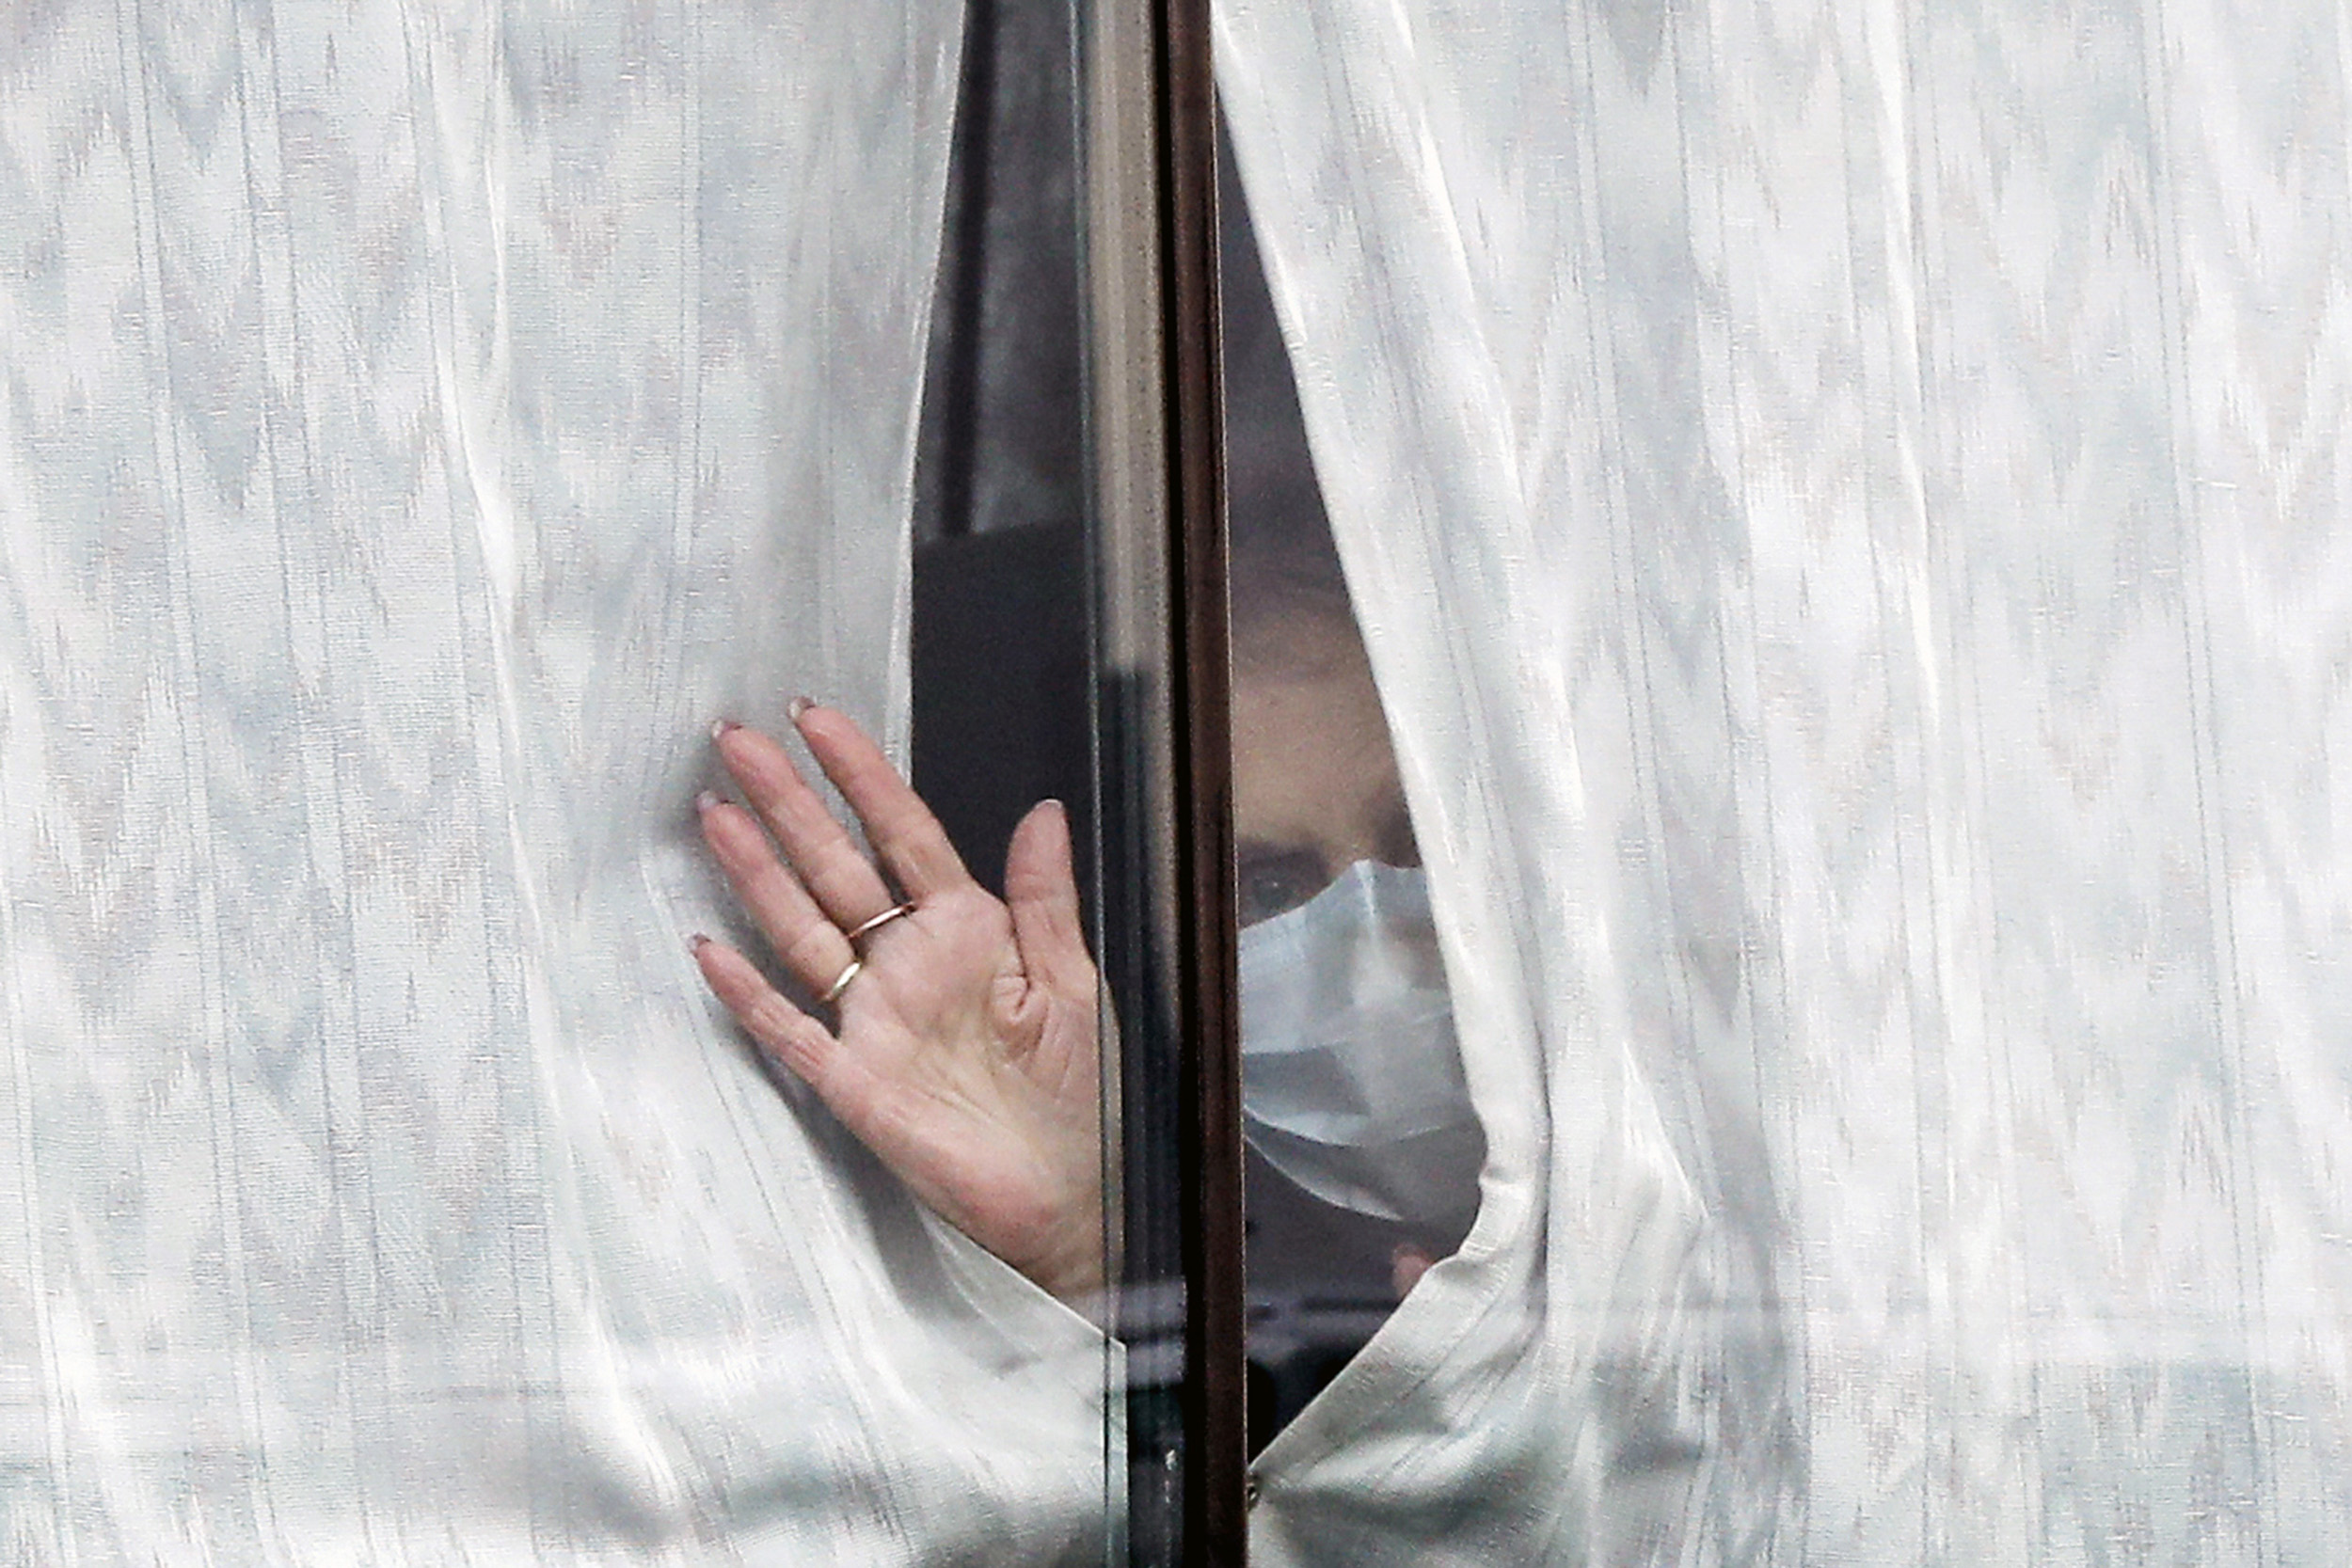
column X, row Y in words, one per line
column 1352, row 1080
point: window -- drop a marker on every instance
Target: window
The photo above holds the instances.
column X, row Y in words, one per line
column 1625, row 834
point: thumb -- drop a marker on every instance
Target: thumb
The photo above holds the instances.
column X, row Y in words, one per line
column 1042, row 889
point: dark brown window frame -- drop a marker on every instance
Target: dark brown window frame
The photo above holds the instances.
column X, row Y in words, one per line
column 1148, row 136
column 1216, row 1504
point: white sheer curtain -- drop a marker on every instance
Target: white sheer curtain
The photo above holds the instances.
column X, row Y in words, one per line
column 420, row 422
column 1849, row 504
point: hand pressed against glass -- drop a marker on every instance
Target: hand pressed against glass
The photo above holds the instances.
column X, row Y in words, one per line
column 964, row 1052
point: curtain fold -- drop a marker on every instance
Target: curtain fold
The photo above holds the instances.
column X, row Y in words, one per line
column 1847, row 505
column 422, row 422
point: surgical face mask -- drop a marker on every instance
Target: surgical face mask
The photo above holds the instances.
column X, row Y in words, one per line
column 1352, row 1082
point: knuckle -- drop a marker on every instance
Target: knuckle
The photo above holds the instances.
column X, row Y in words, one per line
column 805, row 951
column 804, row 818
column 736, row 838
column 841, row 878
column 775, row 1020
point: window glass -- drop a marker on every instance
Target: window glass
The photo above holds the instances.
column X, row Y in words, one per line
column 1363, row 1152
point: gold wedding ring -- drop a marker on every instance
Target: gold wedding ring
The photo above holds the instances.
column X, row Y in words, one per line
column 869, row 928
column 833, row 993
column 857, row 966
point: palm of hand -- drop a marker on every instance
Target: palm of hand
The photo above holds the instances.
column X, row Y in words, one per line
column 977, row 1082
column 966, row 1052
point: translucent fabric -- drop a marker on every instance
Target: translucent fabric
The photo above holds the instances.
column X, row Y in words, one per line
column 1847, row 501
column 420, row 423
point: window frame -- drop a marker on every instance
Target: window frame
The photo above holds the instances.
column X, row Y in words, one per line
column 1150, row 249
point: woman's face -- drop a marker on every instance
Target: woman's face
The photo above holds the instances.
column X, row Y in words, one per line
column 1315, row 787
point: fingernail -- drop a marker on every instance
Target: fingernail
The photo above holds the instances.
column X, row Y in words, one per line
column 721, row 728
column 697, row 943
column 706, row 800
column 800, row 705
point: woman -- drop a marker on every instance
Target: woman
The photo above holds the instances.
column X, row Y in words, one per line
column 962, row 1047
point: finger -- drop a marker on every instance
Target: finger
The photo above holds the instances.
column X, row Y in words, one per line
column 828, row 862
column 1042, row 891
column 805, row 1047
column 1406, row 1267
column 783, row 1031
column 811, row 946
column 902, row 828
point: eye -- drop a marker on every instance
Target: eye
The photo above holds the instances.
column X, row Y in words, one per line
column 1270, row 880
